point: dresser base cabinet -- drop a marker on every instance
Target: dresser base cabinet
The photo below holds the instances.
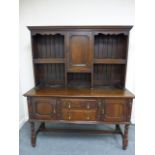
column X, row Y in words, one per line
column 79, row 76
column 63, row 106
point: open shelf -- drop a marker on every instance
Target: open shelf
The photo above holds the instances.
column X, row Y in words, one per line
column 49, row 61
column 109, row 75
column 110, row 46
column 75, row 64
column 48, row 46
column 50, row 74
column 110, row 61
column 79, row 80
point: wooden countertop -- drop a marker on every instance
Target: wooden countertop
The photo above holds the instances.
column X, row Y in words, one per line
column 80, row 92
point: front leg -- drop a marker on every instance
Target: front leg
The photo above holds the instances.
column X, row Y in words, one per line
column 42, row 126
column 33, row 134
column 117, row 128
column 125, row 137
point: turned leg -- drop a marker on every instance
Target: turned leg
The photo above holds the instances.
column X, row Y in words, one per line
column 117, row 127
column 33, row 134
column 42, row 126
column 125, row 137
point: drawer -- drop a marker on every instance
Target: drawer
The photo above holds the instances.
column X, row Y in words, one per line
column 78, row 104
column 42, row 108
column 79, row 115
column 115, row 110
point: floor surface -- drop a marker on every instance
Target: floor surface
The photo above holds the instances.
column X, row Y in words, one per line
column 75, row 144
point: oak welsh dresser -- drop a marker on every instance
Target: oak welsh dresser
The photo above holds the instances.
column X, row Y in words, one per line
column 79, row 74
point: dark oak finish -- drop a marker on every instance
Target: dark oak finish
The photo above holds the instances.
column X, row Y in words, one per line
column 49, row 61
column 109, row 61
column 79, row 76
column 33, row 134
column 125, row 137
column 115, row 110
column 48, row 46
column 109, row 75
column 79, row 52
column 49, row 74
column 80, row 92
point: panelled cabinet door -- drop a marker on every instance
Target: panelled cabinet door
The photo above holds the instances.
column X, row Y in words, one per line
column 115, row 110
column 44, row 108
column 79, row 52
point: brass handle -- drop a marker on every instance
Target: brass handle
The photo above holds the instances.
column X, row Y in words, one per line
column 88, row 106
column 69, row 117
column 88, row 117
column 68, row 105
column 54, row 110
column 79, row 65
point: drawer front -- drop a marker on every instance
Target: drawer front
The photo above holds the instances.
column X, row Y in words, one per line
column 79, row 115
column 115, row 110
column 79, row 109
column 43, row 108
column 78, row 104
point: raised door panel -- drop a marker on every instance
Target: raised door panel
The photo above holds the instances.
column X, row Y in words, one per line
column 44, row 108
column 79, row 52
column 115, row 110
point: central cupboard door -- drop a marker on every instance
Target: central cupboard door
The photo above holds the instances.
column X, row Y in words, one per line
column 79, row 52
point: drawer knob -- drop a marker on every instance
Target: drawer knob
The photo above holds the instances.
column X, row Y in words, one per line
column 69, row 117
column 88, row 118
column 68, row 105
column 88, row 106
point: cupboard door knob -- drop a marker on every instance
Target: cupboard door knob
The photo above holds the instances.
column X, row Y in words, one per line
column 99, row 103
column 102, row 111
column 54, row 110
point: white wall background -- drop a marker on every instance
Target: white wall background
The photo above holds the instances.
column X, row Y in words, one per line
column 69, row 12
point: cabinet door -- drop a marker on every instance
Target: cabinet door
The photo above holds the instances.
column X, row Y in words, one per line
column 43, row 108
column 115, row 110
column 79, row 52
